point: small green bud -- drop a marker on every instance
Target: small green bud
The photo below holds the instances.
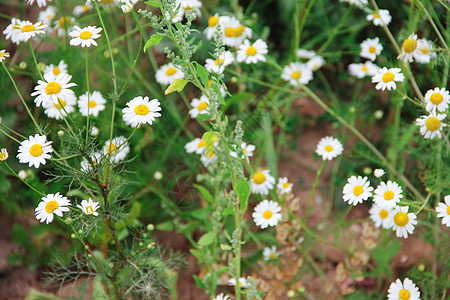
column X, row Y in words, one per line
column 367, row 170
column 86, row 247
column 22, row 65
column 291, row 294
column 150, row 227
column 60, row 133
column 80, row 231
column 73, row 235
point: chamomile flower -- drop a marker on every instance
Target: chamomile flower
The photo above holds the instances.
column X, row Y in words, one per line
column 247, row 150
column 370, row 48
column 87, row 166
column 403, row 291
column 61, row 68
column 402, row 222
column 252, row 53
column 437, row 99
column 218, row 65
column 388, row 194
column 85, row 37
column 425, row 53
column 329, row 148
column 199, row 106
column 262, row 182
column 357, row 3
column 127, row 7
column 409, row 49
column 10, row 31
column 25, row 30
column 58, row 111
column 315, row 63
column 284, row 185
column 357, row 190
column 270, row 253
column 53, row 88
column 51, row 204
column 3, row 154
column 40, row 3
column 386, row 78
column 117, row 148
column 443, row 210
column 208, row 159
column 267, row 213
column 35, row 150
column 197, row 145
column 3, row 55
column 167, row 74
column 65, row 24
column 234, row 33
column 212, row 24
column 96, row 103
column 243, row 283
column 361, row 70
column 46, row 16
column 221, row 296
column 303, row 53
column 141, row 111
column 378, row 173
column 431, row 125
column 380, row 18
column 381, row 215
column 297, row 73
column 82, row 9
column 89, row 207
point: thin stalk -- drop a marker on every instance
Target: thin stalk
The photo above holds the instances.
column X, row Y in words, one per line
column 441, row 38
column 11, row 137
column 20, row 178
column 88, row 97
column 35, row 61
column 311, row 194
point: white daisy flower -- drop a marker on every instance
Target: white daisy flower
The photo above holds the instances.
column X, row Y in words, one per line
column 96, row 103
column 443, row 210
column 381, row 215
column 243, row 283
column 409, row 48
column 437, row 99
column 431, row 125
column 315, row 63
column 65, row 24
column 378, row 173
column 3, row 55
column 370, row 48
column 46, row 16
column 361, row 70
column 199, row 106
column 388, row 194
column 425, row 53
column 194, row 10
column 303, row 53
column 35, row 150
column 87, row 166
column 296, row 73
column 357, row 3
column 267, row 213
column 225, row 59
column 208, row 159
column 386, row 78
column 329, row 148
column 168, row 73
column 127, row 8
column 270, row 253
column 117, row 148
column 61, row 68
column 380, row 18
column 197, row 145
column 89, row 207
column 211, row 29
column 52, row 88
column 140, row 110
column 402, row 222
column 40, row 3
column 357, row 190
column 85, row 36
column 51, row 204
column 3, row 154
column 234, row 33
column 403, row 291
column 247, row 150
column 252, row 53
column 284, row 185
column 25, row 30
column 56, row 111
column 81, row 9
column 94, row 131
column 10, row 31
column 262, row 182
column 221, row 296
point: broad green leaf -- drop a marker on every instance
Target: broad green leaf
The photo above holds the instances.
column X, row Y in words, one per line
column 153, row 40
column 199, row 282
column 196, row 253
column 210, row 138
column 205, row 193
column 229, row 210
column 165, row 226
column 176, row 86
column 153, row 3
column 203, row 73
column 206, row 239
column 204, row 117
column 242, row 190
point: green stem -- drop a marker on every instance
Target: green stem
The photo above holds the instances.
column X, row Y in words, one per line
column 433, row 24
column 35, row 61
column 11, row 137
column 88, row 97
column 20, row 178
column 311, row 194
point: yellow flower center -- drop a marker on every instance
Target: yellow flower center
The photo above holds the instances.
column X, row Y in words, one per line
column 1, row 54
column 85, row 7
column 213, row 21
column 259, row 178
column 251, row 51
column 61, row 103
column 424, row 50
column 388, row 77
column 56, row 71
column 436, row 98
column 286, row 185
column 28, row 28
column 201, row 144
column 388, row 195
column 273, row 256
column 112, row 149
column 217, row 61
column 383, row 214
column 409, row 45
column 401, row 219
column 433, row 124
column 107, row 1
column 36, row 150
column 245, row 151
column 52, row 88
column 364, row 68
column 358, row 190
column 141, row 110
column 229, row 32
column 3, row 157
column 89, row 210
column 92, row 104
column 51, row 206
column 85, row 35
column 448, row 210
column 328, row 148
column 202, row 106
column 376, row 16
column 296, row 75
column 239, row 30
column 372, row 49
column 170, row 71
column 404, row 294
column 267, row 214
column 64, row 21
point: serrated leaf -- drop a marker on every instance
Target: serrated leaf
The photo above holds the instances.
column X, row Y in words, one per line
column 177, row 86
column 153, row 40
column 206, row 239
column 203, row 73
column 153, row 3
column 204, row 117
column 242, row 190
column 205, row 193
column 210, row 139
